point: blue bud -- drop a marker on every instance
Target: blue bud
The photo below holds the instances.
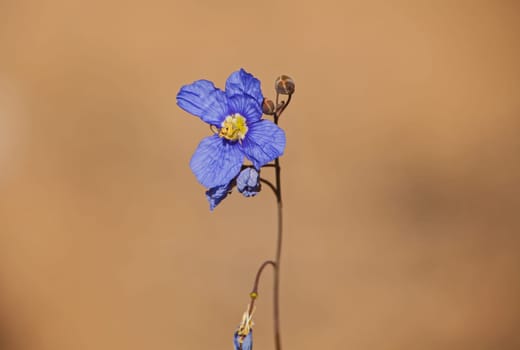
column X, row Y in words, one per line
column 243, row 342
column 248, row 182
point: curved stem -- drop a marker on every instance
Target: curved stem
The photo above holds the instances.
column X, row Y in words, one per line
column 269, row 165
column 254, row 291
column 271, row 186
column 286, row 103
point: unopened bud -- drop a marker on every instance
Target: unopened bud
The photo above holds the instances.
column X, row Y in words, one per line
column 284, row 85
column 268, row 107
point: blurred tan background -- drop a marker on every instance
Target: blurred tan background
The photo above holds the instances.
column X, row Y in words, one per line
column 401, row 175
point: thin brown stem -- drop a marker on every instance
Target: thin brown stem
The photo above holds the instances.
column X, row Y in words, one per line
column 277, row 190
column 279, row 236
column 268, row 165
column 276, row 285
column 271, row 186
column 254, row 291
column 283, row 107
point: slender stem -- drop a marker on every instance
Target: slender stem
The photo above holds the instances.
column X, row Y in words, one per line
column 276, row 285
column 254, row 291
column 271, row 186
column 277, row 190
column 276, row 115
column 268, row 165
column 286, row 103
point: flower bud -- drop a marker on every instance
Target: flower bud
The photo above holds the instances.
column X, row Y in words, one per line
column 243, row 337
column 248, row 182
column 243, row 342
column 268, row 107
column 284, row 85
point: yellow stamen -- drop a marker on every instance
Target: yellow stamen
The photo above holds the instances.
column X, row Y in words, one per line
column 246, row 325
column 234, row 128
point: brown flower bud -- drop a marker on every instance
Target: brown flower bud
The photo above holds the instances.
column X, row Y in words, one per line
column 268, row 107
column 284, row 85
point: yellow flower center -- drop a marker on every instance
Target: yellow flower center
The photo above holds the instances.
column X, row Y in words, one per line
column 233, row 128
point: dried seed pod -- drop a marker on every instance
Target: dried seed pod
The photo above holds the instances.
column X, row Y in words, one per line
column 284, row 85
column 268, row 107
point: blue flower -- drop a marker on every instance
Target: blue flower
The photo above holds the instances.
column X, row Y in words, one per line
column 248, row 182
column 243, row 342
column 242, row 133
column 217, row 194
column 243, row 337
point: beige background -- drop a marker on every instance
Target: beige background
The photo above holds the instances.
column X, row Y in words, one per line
column 401, row 175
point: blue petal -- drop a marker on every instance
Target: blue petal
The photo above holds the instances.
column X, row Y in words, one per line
column 204, row 100
column 246, row 106
column 264, row 142
column 247, row 344
column 241, row 82
column 216, row 161
column 217, row 194
column 248, row 182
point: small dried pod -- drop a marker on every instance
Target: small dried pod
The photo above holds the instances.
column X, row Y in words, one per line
column 268, row 107
column 284, row 85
